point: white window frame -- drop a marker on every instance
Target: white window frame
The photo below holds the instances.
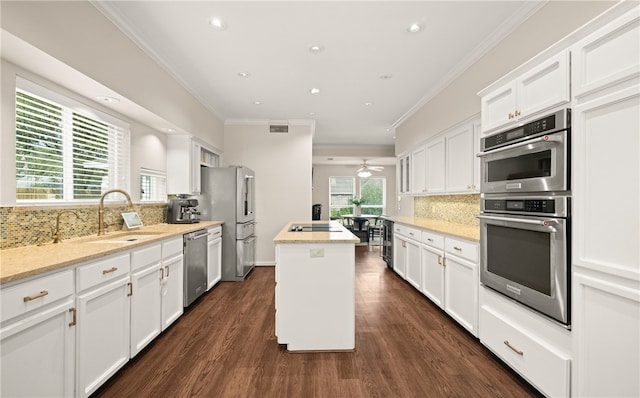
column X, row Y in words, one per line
column 353, row 194
column 119, row 176
column 157, row 186
column 384, row 193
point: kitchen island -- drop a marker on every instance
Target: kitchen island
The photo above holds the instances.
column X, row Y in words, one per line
column 315, row 286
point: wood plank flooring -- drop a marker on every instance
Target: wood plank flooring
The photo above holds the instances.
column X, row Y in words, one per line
column 224, row 346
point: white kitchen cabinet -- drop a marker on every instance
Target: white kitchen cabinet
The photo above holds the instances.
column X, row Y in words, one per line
column 608, row 57
column 460, row 160
column 476, row 160
column 435, row 170
column 543, row 87
column 432, row 260
column 185, row 156
column 37, row 337
column 461, row 283
column 146, row 277
column 418, row 169
column 103, row 325
column 172, row 286
column 406, row 252
column 214, row 257
column 413, row 266
column 404, row 174
column 399, row 255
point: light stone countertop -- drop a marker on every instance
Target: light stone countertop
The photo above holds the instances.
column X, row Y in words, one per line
column 344, row 236
column 24, row 262
column 462, row 231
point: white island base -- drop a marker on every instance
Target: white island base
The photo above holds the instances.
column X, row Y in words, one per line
column 315, row 290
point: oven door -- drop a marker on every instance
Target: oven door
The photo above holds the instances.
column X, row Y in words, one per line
column 536, row 165
column 526, row 258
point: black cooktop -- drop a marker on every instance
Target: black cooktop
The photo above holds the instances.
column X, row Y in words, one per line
column 321, row 227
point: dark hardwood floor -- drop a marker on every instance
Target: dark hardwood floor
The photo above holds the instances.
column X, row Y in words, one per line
column 224, row 346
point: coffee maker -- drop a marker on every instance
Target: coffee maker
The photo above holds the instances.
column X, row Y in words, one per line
column 183, row 211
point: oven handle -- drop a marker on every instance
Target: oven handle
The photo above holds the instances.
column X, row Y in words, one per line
column 544, row 138
column 543, row 223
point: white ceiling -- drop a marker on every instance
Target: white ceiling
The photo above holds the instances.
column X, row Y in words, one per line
column 368, row 57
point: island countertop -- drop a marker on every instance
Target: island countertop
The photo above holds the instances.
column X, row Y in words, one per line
column 28, row 261
column 342, row 236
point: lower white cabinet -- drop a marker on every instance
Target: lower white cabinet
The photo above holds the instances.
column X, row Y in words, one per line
column 102, row 341
column 406, row 260
column 146, row 278
column 214, row 257
column 461, row 283
column 432, row 260
column 172, row 290
column 37, row 337
column 399, row 255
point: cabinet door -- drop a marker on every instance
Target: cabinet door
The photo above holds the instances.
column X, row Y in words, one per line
column 37, row 354
column 214, row 262
column 196, row 155
column 607, row 57
column 607, row 168
column 145, row 307
column 436, row 166
column 102, row 344
column 433, row 274
column 413, row 263
column 461, row 292
column 399, row 255
column 498, row 107
column 460, row 160
column 418, row 168
column 544, row 87
column 172, row 291
column 476, row 159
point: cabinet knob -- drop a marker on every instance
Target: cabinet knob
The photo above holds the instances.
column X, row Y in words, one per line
column 510, row 116
column 517, row 113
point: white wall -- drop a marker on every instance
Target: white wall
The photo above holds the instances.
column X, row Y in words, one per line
column 321, row 174
column 459, row 100
column 282, row 163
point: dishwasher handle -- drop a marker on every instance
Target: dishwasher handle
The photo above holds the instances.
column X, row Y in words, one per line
column 200, row 234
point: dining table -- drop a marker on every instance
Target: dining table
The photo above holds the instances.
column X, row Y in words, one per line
column 359, row 220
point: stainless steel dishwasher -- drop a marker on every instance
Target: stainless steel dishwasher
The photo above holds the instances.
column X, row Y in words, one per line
column 195, row 265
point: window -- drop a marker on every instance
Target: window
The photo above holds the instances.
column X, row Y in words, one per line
column 372, row 193
column 153, row 185
column 341, row 191
column 66, row 151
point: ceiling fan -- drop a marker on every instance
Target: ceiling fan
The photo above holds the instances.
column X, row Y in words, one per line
column 365, row 169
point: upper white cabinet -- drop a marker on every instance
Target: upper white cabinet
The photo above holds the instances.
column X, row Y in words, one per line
column 541, row 88
column 418, row 169
column 607, row 57
column 185, row 156
column 461, row 159
column 435, row 172
column 404, row 174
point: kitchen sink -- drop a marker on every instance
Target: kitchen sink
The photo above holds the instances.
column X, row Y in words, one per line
column 126, row 238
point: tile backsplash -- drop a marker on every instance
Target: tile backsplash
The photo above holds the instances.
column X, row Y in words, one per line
column 32, row 225
column 459, row 209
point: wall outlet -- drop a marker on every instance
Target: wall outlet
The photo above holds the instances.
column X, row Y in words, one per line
column 316, row 253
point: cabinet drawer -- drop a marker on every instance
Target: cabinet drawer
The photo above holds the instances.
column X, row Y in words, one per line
column 171, row 248
column 146, row 255
column 93, row 274
column 35, row 293
column 536, row 361
column 431, row 239
column 407, row 231
column 214, row 233
column 462, row 249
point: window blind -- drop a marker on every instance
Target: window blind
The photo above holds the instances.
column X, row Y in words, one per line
column 66, row 151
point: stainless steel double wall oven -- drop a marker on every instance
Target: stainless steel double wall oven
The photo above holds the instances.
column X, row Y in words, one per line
column 525, row 219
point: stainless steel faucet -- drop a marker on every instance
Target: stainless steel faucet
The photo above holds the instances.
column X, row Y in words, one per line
column 55, row 234
column 101, row 207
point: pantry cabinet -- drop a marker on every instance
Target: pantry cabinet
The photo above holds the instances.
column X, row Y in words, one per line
column 37, row 337
column 103, row 328
column 541, row 88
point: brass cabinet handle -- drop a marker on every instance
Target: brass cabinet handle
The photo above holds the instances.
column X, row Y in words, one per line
column 457, row 248
column 510, row 115
column 514, row 349
column 167, row 269
column 108, row 271
column 439, row 260
column 517, row 113
column 73, row 320
column 161, row 273
column 130, row 286
column 430, row 240
column 35, row 296
column 444, row 261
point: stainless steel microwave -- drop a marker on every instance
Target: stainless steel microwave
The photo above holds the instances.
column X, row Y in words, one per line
column 531, row 158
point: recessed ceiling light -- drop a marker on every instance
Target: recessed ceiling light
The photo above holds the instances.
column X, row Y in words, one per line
column 218, row 24
column 107, row 99
column 314, row 90
column 316, row 48
column 414, row 28
column 312, row 113
column 168, row 130
column 244, row 74
column 386, row 76
column 368, row 104
column 257, row 102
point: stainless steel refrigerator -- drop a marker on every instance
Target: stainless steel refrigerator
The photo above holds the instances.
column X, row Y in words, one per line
column 228, row 194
